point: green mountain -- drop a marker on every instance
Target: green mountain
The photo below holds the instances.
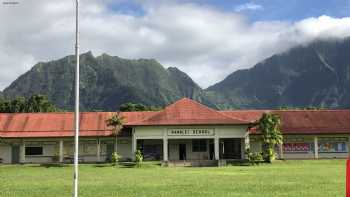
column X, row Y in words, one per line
column 106, row 82
column 314, row 75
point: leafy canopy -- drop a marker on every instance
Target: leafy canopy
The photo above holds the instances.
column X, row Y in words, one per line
column 137, row 107
column 116, row 121
column 35, row 103
column 270, row 127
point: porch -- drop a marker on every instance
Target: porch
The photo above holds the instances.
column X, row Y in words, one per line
column 192, row 151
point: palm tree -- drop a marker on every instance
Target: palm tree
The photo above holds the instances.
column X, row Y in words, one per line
column 116, row 121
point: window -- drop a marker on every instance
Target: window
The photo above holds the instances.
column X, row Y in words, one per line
column 199, row 145
column 34, row 150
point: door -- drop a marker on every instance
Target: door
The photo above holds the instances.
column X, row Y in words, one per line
column 182, row 151
column 211, row 151
column 230, row 148
column 109, row 152
column 15, row 154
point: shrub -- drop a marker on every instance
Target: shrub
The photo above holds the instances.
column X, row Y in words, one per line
column 138, row 158
column 115, row 158
column 254, row 157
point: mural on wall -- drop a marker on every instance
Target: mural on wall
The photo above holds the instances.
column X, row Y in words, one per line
column 332, row 147
column 297, row 147
column 325, row 145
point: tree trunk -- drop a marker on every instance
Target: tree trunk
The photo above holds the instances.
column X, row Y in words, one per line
column 116, row 144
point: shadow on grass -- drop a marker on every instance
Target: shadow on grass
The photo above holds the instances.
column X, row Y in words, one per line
column 129, row 165
column 50, row 165
column 120, row 165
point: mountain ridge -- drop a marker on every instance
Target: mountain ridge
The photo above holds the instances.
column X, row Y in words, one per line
column 316, row 74
column 313, row 75
column 106, row 82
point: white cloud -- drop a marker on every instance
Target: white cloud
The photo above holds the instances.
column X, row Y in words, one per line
column 248, row 6
column 206, row 43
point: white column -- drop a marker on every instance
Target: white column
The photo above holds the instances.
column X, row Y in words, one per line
column 23, row 152
column 98, row 152
column 60, row 151
column 216, row 148
column 281, row 150
column 165, row 149
column 247, row 141
column 316, row 147
column 116, row 144
column 246, row 145
column 134, row 144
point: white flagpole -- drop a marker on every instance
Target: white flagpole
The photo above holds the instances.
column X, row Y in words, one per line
column 76, row 112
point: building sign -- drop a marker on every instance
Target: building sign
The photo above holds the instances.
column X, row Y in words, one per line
column 191, row 132
column 296, row 147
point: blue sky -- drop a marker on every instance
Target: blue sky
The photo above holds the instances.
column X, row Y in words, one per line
column 198, row 37
column 258, row 10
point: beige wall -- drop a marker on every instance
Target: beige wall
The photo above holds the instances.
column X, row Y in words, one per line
column 87, row 148
column 5, row 153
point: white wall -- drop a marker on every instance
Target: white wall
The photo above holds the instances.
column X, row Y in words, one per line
column 222, row 131
column 5, row 153
column 125, row 148
column 190, row 155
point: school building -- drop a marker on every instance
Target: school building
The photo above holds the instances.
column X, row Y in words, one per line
column 185, row 132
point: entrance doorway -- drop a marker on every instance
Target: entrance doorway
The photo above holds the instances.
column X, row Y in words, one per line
column 211, row 151
column 15, row 154
column 109, row 152
column 182, row 151
column 230, row 148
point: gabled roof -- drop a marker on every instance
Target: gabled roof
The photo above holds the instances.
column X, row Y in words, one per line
column 187, row 112
column 182, row 112
column 60, row 124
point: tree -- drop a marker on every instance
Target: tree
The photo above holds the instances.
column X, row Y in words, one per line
column 39, row 103
column 137, row 107
column 17, row 105
column 116, row 121
column 269, row 125
column 36, row 103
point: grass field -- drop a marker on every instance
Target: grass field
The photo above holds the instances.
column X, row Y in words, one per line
column 286, row 178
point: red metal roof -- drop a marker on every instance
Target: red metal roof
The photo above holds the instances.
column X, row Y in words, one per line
column 314, row 121
column 60, row 124
column 302, row 121
column 247, row 115
column 188, row 112
column 182, row 112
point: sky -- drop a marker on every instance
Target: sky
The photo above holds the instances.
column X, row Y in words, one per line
column 207, row 39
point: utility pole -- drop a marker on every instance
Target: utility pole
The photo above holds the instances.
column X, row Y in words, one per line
column 76, row 112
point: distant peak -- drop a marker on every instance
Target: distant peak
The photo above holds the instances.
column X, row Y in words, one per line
column 173, row 69
column 89, row 53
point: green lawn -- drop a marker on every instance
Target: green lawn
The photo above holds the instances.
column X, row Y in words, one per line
column 288, row 178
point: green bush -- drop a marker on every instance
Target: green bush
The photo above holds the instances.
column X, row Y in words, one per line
column 138, row 158
column 254, row 157
column 115, row 158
